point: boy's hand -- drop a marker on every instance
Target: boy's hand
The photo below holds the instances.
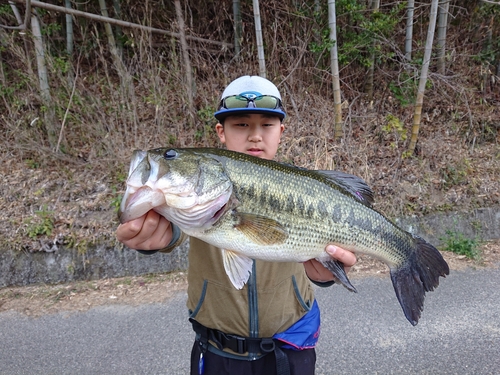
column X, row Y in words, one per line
column 148, row 232
column 315, row 270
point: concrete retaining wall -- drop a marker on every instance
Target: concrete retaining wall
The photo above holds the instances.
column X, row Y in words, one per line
column 17, row 268
column 97, row 263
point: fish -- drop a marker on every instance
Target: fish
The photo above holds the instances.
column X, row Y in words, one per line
column 253, row 208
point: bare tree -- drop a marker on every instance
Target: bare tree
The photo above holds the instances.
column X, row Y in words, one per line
column 332, row 22
column 444, row 6
column 260, row 42
column 112, row 21
column 23, row 24
column 417, row 116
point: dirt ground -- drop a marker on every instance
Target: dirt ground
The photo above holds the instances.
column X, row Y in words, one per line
column 38, row 300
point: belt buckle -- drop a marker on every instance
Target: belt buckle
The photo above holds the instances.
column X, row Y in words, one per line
column 240, row 343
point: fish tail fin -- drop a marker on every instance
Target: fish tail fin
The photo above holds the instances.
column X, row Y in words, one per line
column 420, row 274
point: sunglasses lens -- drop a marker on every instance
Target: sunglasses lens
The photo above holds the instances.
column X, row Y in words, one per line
column 266, row 102
column 235, row 102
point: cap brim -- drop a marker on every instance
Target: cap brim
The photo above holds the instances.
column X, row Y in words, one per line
column 223, row 113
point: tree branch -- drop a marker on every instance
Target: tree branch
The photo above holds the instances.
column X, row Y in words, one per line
column 27, row 16
column 113, row 21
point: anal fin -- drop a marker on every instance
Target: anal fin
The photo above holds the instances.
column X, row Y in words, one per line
column 337, row 269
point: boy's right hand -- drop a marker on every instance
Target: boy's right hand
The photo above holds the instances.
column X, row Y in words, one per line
column 148, row 232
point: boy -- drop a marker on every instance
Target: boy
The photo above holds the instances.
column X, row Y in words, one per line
column 236, row 330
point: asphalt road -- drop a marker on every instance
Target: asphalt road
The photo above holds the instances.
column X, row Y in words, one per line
column 459, row 333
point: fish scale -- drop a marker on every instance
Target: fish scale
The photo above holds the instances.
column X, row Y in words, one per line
column 253, row 208
column 340, row 215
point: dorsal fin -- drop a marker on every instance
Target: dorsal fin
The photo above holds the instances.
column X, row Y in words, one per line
column 354, row 185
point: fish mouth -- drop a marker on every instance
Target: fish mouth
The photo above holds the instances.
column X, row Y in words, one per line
column 139, row 203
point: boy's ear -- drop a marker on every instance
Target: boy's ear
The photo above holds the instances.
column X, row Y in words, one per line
column 219, row 128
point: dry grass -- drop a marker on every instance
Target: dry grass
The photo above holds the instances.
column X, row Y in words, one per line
column 68, row 196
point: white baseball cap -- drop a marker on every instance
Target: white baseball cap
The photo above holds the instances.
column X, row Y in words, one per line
column 250, row 94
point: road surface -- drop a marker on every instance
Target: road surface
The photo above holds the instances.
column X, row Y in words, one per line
column 364, row 333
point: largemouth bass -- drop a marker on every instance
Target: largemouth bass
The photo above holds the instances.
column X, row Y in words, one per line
column 260, row 209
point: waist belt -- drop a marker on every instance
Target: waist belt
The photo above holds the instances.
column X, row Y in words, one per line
column 242, row 345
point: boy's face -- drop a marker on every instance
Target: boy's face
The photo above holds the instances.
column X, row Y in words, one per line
column 253, row 134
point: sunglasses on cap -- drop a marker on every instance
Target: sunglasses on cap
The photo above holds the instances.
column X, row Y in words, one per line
column 239, row 101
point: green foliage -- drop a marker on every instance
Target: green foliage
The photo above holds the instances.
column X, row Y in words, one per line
column 32, row 164
column 61, row 65
column 206, row 130
column 404, row 89
column 490, row 52
column 325, row 44
column 5, row 10
column 206, row 115
column 456, row 174
column 395, row 127
column 457, row 243
column 117, row 199
column 41, row 224
column 51, row 29
column 363, row 27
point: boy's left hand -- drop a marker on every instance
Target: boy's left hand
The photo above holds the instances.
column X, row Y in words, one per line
column 315, row 270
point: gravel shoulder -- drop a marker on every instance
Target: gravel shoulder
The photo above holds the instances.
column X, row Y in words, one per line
column 39, row 300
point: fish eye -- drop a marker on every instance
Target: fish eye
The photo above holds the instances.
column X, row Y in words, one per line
column 170, row 154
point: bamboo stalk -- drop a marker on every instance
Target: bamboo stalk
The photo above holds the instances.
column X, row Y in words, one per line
column 260, row 41
column 337, row 104
column 409, row 29
column 49, row 116
column 69, row 45
column 441, row 35
column 417, row 116
column 187, row 61
column 237, row 26
column 375, row 6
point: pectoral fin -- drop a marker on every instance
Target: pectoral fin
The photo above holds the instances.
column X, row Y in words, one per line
column 238, row 267
column 260, row 229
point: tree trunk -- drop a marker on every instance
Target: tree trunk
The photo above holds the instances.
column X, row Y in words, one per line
column 409, row 29
column 237, row 27
column 49, row 113
column 375, row 6
column 187, row 62
column 423, row 77
column 444, row 6
column 109, row 30
column 69, row 42
column 332, row 22
column 260, row 42
column 23, row 25
column 119, row 33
